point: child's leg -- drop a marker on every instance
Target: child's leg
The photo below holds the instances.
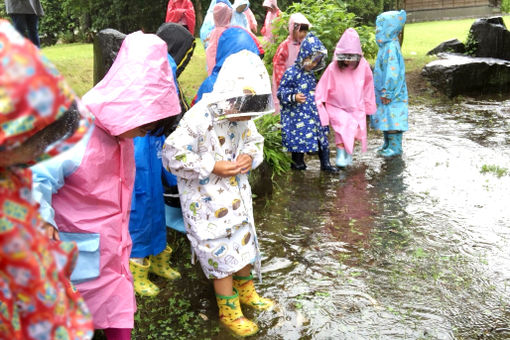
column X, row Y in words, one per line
column 243, row 282
column 231, row 314
column 117, row 333
column 160, row 265
column 298, row 161
column 139, row 267
column 324, row 158
column 394, row 144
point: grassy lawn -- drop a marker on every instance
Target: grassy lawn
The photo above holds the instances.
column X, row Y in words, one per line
column 75, row 61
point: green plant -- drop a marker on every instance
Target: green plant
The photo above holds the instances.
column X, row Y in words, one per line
column 495, row 169
column 505, row 6
column 269, row 127
column 329, row 19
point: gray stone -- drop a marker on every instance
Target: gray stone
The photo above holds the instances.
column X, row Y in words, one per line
column 106, row 46
column 455, row 74
column 452, row 45
column 491, row 38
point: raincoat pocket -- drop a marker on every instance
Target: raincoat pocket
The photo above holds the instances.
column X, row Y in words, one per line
column 87, row 266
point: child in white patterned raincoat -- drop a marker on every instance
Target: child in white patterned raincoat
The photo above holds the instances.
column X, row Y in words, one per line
column 211, row 152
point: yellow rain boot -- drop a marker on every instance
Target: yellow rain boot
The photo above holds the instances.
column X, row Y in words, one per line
column 248, row 295
column 232, row 316
column 143, row 286
column 160, row 265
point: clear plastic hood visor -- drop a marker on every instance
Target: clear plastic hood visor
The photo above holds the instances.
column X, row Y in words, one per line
column 249, row 105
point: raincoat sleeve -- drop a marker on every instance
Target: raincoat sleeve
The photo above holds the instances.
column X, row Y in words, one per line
column 368, row 92
column 321, row 94
column 279, row 60
column 49, row 176
column 180, row 151
column 252, row 21
column 287, row 90
column 253, row 144
column 394, row 74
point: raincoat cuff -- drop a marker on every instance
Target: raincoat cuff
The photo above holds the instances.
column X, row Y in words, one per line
column 206, row 166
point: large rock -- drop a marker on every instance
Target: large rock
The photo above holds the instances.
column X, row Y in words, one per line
column 491, row 38
column 106, row 46
column 452, row 45
column 455, row 74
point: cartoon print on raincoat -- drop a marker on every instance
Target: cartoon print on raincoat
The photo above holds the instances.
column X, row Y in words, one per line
column 218, row 211
column 88, row 189
column 37, row 300
column 389, row 74
column 345, row 97
column 301, row 128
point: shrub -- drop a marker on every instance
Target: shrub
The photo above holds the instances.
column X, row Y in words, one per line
column 269, row 127
column 505, row 6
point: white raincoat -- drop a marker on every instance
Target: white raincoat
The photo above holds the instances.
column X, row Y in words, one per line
column 218, row 211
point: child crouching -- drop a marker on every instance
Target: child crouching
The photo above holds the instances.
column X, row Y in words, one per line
column 211, row 152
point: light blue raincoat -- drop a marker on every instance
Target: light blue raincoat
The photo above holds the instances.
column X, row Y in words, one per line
column 389, row 74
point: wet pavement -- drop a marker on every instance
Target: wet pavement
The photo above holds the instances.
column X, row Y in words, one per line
column 413, row 247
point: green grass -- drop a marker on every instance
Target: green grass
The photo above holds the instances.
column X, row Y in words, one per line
column 75, row 61
column 419, row 38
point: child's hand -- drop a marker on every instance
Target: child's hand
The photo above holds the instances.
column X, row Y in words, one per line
column 244, row 162
column 385, row 100
column 226, row 168
column 51, row 232
column 300, row 98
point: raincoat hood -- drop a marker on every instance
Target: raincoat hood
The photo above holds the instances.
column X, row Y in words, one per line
column 297, row 19
column 238, row 3
column 270, row 4
column 180, row 43
column 310, row 46
column 233, row 40
column 222, row 15
column 349, row 43
column 388, row 25
column 243, row 83
column 36, row 104
column 138, row 89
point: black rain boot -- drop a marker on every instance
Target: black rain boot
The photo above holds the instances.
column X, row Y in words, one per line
column 298, row 161
column 324, row 157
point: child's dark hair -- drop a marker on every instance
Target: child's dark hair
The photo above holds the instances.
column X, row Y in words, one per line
column 166, row 126
column 301, row 27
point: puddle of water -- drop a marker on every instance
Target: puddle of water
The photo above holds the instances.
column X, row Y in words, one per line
column 408, row 248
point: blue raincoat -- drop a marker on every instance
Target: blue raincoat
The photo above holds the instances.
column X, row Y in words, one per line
column 147, row 225
column 301, row 127
column 240, row 19
column 233, row 40
column 389, row 74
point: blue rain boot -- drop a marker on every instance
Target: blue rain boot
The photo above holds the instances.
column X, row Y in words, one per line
column 385, row 144
column 343, row 158
column 394, row 145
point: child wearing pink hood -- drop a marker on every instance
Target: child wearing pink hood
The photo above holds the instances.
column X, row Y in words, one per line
column 288, row 50
column 345, row 96
column 85, row 192
column 222, row 15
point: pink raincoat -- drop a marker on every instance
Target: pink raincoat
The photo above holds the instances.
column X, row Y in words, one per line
column 222, row 15
column 88, row 189
column 271, row 16
column 345, row 96
column 252, row 21
column 286, row 54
